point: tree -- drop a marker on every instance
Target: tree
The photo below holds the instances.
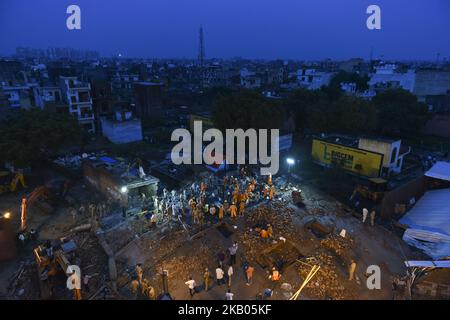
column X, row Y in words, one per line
column 343, row 76
column 29, row 136
column 247, row 109
column 399, row 112
column 302, row 103
column 353, row 115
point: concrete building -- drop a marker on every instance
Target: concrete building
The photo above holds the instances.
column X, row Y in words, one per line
column 431, row 83
column 148, row 97
column 121, row 182
column 249, row 79
column 387, row 77
column 251, row 82
column 122, row 128
column 312, row 79
column 77, row 95
column 19, row 96
column 393, row 153
column 47, row 95
column 351, row 65
column 11, row 71
column 124, row 81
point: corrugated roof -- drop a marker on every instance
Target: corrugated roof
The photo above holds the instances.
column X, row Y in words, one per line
column 440, row 170
column 431, row 212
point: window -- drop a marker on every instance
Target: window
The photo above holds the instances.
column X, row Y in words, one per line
column 394, row 155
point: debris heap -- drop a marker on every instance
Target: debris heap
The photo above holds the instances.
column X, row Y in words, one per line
column 327, row 283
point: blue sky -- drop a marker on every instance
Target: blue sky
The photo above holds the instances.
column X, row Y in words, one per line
column 298, row 29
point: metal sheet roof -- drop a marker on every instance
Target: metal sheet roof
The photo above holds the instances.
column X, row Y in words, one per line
column 440, row 170
column 431, row 212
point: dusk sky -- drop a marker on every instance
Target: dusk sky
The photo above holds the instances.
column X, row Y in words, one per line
column 270, row 29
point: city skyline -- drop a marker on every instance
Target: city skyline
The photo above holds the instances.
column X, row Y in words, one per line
column 255, row 30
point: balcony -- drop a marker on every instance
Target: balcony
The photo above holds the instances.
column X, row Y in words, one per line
column 86, row 116
column 79, row 85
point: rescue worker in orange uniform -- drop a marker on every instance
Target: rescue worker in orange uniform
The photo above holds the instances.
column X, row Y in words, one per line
column 233, row 211
column 275, row 276
column 263, row 234
column 221, row 209
column 235, row 196
column 271, row 192
column 241, row 208
column 269, row 180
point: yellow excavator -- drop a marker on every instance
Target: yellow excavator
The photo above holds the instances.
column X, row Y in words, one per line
column 372, row 189
column 9, row 181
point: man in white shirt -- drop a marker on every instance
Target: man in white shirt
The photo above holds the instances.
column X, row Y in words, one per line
column 230, row 274
column 233, row 250
column 229, row 295
column 365, row 213
column 191, row 285
column 219, row 275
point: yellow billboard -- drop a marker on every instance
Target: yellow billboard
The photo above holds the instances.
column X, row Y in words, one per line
column 359, row 161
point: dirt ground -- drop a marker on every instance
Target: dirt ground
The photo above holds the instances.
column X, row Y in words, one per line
column 184, row 256
column 187, row 253
column 49, row 226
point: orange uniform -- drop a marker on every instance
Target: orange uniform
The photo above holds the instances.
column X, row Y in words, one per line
column 233, row 210
column 241, row 208
column 221, row 212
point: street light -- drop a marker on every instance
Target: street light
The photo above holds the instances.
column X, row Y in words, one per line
column 7, row 215
column 290, row 162
column 124, row 189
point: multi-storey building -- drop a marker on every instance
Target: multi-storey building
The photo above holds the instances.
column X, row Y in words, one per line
column 19, row 96
column 77, row 95
column 47, row 95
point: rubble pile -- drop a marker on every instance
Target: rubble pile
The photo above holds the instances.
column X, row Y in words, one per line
column 93, row 259
column 326, row 284
column 317, row 211
column 297, row 196
column 278, row 215
column 120, row 237
column 24, row 284
column 153, row 249
column 339, row 246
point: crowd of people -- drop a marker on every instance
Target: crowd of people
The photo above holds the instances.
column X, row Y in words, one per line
column 212, row 199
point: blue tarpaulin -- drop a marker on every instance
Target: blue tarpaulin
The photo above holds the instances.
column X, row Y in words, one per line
column 108, row 160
